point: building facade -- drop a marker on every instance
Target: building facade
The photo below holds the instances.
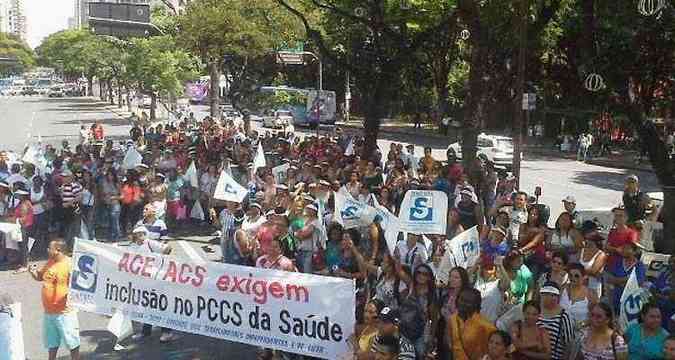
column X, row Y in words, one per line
column 13, row 18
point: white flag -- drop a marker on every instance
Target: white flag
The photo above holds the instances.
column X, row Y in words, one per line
column 191, row 175
column 259, row 160
column 632, row 300
column 228, row 189
column 349, row 151
column 463, row 250
column 389, row 224
column 120, row 326
column 351, row 213
column 280, row 172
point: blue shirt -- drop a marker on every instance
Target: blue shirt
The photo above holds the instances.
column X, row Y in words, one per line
column 617, row 269
column 645, row 348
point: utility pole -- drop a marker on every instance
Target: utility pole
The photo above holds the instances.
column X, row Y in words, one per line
column 519, row 113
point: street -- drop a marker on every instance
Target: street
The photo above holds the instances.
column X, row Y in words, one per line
column 54, row 119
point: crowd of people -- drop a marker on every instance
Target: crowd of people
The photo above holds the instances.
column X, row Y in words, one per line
column 537, row 292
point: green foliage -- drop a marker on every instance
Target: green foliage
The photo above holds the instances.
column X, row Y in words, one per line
column 156, row 65
column 14, row 48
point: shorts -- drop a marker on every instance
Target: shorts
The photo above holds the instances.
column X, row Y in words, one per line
column 61, row 328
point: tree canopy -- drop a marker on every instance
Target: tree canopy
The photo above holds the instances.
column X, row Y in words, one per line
column 13, row 47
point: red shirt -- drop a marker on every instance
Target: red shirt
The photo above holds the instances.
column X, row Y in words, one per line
column 618, row 238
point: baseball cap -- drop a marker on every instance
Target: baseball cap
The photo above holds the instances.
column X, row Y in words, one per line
column 140, row 230
column 550, row 287
column 311, row 207
column 570, row 199
column 389, row 315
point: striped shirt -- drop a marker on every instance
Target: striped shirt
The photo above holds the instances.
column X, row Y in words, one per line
column 406, row 348
column 227, row 222
column 70, row 192
column 156, row 230
column 560, row 331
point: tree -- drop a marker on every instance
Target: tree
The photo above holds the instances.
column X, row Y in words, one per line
column 234, row 34
column 634, row 54
column 157, row 67
column 13, row 47
column 374, row 41
column 74, row 52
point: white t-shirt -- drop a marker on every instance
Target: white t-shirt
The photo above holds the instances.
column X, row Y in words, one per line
column 251, row 227
column 35, row 197
column 148, row 247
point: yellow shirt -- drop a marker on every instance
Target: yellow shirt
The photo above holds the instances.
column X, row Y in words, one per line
column 366, row 340
column 474, row 334
column 55, row 285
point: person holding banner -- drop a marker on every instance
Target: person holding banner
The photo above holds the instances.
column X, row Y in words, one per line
column 60, row 323
column 618, row 271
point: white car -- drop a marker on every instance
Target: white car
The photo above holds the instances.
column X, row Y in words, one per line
column 279, row 119
column 493, row 148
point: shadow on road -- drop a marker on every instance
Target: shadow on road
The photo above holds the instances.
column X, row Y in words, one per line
column 614, row 180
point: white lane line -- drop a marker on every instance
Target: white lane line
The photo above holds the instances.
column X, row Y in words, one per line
column 193, row 254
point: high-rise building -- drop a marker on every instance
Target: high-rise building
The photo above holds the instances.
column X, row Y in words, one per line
column 13, row 18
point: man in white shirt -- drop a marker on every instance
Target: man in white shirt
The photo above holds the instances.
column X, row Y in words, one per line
column 253, row 220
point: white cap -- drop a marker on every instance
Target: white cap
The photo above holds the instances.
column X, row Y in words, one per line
column 570, row 199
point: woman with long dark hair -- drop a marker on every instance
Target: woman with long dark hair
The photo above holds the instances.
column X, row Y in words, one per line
column 468, row 330
column 646, row 338
column 531, row 238
column 423, row 294
column 600, row 341
column 531, row 340
column 499, row 345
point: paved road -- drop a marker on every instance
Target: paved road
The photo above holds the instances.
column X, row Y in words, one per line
column 54, row 119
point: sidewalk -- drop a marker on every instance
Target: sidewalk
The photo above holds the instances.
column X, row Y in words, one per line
column 619, row 160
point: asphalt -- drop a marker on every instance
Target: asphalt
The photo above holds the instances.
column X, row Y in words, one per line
column 54, row 119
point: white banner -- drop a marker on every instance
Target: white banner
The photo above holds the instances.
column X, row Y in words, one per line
column 228, row 189
column 279, row 173
column 350, row 212
column 424, row 212
column 632, row 300
column 11, row 332
column 654, row 263
column 293, row 312
column 389, row 224
column 132, row 159
column 463, row 250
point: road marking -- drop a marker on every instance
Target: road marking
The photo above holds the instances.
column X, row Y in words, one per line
column 193, row 254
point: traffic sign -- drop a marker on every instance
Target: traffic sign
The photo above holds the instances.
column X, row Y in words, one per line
column 290, row 58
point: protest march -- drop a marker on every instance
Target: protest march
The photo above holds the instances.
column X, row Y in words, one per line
column 325, row 253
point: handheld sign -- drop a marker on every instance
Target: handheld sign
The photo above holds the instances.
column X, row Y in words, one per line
column 633, row 299
column 424, row 212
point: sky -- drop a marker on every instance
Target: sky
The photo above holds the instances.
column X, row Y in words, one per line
column 45, row 17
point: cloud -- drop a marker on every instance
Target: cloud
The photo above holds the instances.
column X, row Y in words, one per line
column 45, row 17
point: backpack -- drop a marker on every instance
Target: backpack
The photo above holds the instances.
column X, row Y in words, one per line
column 411, row 322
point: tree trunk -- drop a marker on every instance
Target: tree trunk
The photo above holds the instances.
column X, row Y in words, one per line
column 214, row 91
column 153, row 106
column 110, row 92
column 664, row 168
column 119, row 95
column 90, row 86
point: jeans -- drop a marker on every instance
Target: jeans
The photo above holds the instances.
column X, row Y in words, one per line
column 114, row 221
column 582, row 152
column 129, row 216
column 304, row 261
column 23, row 246
column 39, row 232
column 72, row 224
column 88, row 219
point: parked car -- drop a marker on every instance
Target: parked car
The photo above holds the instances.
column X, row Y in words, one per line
column 42, row 90
column 493, row 148
column 278, row 119
column 55, row 92
column 28, row 91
